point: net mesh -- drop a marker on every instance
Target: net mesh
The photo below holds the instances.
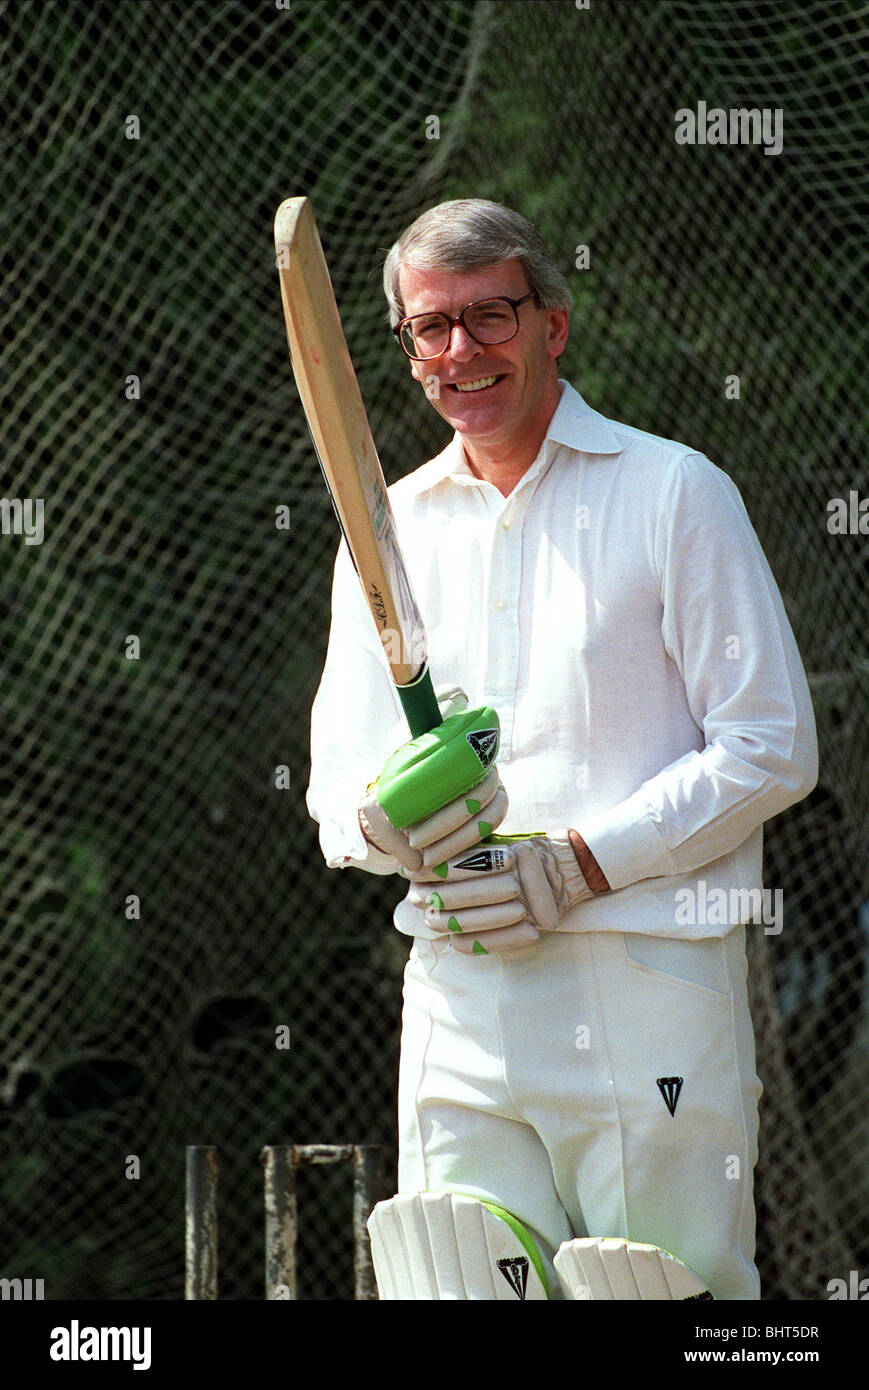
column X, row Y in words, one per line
column 165, row 908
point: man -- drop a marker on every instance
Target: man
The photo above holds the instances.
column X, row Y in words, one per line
column 577, row 1053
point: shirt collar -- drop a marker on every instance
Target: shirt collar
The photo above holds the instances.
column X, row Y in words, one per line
column 574, row 424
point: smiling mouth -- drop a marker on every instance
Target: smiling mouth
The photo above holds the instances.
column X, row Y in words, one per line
column 480, row 383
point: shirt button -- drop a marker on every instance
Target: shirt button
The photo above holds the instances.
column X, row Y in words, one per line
column 500, row 605
column 506, row 523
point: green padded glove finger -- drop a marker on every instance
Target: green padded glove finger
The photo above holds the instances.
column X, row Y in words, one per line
column 432, row 770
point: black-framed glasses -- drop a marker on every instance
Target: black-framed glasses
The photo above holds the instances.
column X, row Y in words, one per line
column 485, row 320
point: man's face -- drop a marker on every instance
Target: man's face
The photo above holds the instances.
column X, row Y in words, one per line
column 525, row 391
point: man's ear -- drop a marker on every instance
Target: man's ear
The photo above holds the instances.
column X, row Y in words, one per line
column 559, row 329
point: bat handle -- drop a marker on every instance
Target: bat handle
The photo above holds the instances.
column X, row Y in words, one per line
column 419, row 704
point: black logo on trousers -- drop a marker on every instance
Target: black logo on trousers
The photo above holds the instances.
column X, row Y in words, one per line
column 670, row 1086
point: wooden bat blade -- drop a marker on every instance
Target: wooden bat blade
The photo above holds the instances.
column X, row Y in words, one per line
column 342, row 437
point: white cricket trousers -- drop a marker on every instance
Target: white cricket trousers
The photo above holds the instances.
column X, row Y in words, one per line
column 595, row 1084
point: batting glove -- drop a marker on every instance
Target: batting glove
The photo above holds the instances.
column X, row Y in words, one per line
column 501, row 895
column 463, row 822
column 451, row 829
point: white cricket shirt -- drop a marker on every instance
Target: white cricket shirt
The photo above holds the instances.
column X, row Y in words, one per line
column 619, row 614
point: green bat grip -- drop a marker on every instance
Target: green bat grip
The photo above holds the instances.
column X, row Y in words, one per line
column 419, row 704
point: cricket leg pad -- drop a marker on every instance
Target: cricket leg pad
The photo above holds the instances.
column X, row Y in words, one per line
column 445, row 1245
column 612, row 1269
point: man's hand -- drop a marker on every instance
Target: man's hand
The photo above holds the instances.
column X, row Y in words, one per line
column 456, row 827
column 477, row 807
column 504, row 893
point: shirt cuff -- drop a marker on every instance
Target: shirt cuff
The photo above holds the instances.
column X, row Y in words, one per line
column 345, row 847
column 627, row 848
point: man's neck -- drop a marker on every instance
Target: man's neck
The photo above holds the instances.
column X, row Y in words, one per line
column 503, row 473
column 504, row 466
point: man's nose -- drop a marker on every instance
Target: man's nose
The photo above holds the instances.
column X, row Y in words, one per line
column 462, row 345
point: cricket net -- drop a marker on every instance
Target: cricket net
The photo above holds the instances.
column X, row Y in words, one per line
column 164, row 905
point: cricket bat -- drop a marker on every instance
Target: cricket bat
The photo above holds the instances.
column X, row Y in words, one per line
column 348, row 458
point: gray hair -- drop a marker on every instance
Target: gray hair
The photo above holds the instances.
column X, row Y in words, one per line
column 468, row 233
